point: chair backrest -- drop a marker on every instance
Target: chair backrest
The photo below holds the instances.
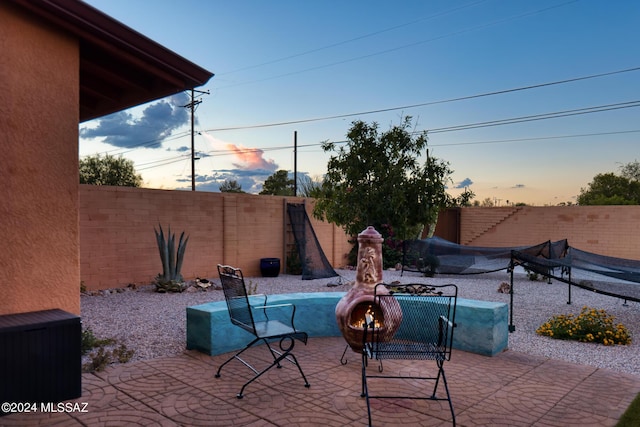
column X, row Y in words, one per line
column 426, row 328
column 235, row 294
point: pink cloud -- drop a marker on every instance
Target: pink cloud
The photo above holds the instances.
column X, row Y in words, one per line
column 243, row 157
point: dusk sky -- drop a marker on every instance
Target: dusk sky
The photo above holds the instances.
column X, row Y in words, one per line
column 527, row 100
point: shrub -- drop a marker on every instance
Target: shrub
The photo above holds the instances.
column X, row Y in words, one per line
column 391, row 247
column 533, row 275
column 431, row 264
column 89, row 341
column 294, row 266
column 591, row 325
column 170, row 280
column 102, row 357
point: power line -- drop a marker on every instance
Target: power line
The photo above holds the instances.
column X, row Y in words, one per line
column 164, row 162
column 425, row 104
column 383, row 110
column 455, row 33
column 535, row 117
column 221, row 153
column 436, row 130
column 364, row 36
column 541, row 138
column 146, row 144
column 501, row 122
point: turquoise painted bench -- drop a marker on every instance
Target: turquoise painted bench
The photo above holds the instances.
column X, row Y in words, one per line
column 482, row 326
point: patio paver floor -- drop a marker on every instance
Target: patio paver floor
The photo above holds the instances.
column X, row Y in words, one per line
column 510, row 389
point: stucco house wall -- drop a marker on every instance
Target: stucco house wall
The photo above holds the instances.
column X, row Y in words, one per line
column 39, row 255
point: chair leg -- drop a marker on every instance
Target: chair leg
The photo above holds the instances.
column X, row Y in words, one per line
column 235, row 356
column 446, row 389
column 365, row 388
column 441, row 376
column 343, row 359
column 276, row 362
column 286, row 354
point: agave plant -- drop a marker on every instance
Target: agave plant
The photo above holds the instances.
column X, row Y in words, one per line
column 170, row 279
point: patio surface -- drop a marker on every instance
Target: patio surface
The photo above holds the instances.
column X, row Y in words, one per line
column 510, row 389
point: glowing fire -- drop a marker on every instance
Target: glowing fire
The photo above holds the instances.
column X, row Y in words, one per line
column 370, row 319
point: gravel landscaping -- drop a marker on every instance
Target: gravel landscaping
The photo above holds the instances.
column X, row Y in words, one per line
column 154, row 324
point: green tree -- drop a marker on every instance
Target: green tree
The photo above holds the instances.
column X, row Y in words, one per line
column 487, row 203
column 309, row 187
column 464, row 199
column 278, row 184
column 378, row 180
column 230, row 186
column 109, row 170
column 610, row 189
column 631, row 171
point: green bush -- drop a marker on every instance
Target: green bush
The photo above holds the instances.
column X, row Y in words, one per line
column 294, row 266
column 102, row 357
column 89, row 341
column 591, row 325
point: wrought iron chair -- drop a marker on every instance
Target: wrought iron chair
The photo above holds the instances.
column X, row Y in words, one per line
column 255, row 320
column 425, row 333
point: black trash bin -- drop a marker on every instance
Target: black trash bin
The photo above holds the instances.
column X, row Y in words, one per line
column 270, row 267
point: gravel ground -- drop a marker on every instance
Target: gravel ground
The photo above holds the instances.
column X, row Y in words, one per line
column 154, row 324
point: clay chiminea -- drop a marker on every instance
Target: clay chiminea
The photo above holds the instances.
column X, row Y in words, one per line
column 358, row 305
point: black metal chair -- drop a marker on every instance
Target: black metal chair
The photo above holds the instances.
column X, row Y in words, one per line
column 425, row 332
column 255, row 320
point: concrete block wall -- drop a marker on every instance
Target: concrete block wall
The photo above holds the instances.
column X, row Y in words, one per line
column 606, row 230
column 118, row 245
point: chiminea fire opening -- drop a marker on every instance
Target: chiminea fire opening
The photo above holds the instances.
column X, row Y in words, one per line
column 366, row 312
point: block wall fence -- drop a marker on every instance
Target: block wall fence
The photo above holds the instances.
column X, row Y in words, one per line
column 118, row 246
column 606, row 230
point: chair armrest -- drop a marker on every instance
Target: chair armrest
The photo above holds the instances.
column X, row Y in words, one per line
column 445, row 319
column 442, row 338
column 273, row 306
column 262, row 296
column 286, row 305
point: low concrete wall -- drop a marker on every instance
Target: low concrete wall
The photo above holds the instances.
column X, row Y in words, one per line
column 482, row 327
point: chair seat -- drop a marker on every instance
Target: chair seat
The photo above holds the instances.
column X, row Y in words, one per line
column 272, row 328
column 415, row 351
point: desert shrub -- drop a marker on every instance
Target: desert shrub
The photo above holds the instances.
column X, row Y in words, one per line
column 294, row 266
column 89, row 341
column 102, row 357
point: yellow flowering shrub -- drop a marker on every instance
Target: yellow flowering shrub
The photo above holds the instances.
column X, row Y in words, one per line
column 591, row 325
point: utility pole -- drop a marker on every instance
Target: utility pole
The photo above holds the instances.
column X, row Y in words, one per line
column 192, row 107
column 295, row 163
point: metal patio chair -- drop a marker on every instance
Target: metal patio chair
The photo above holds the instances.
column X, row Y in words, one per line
column 255, row 320
column 425, row 333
